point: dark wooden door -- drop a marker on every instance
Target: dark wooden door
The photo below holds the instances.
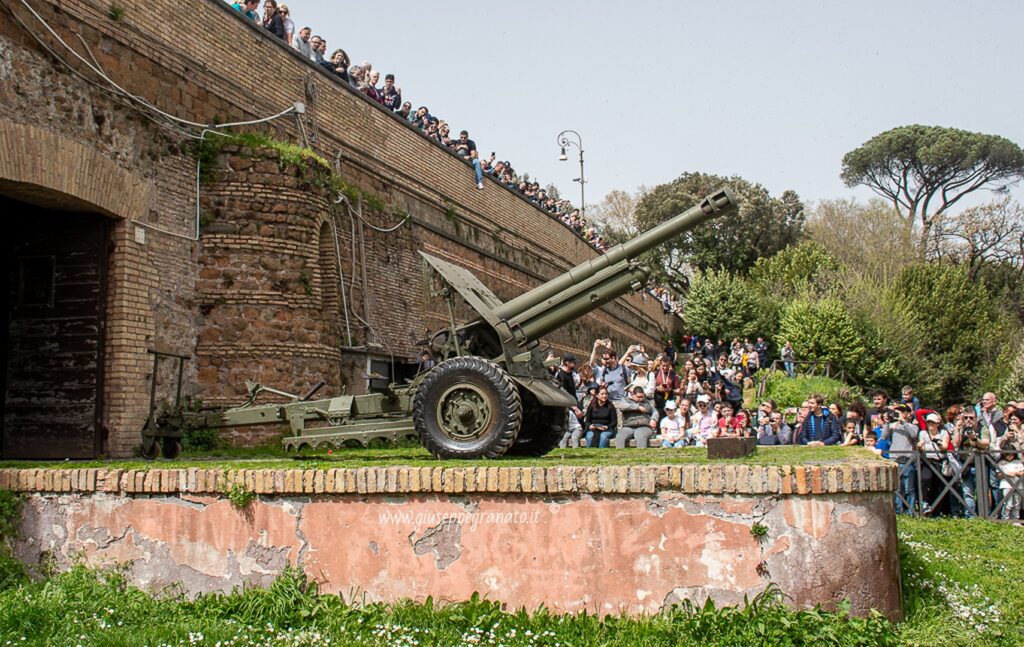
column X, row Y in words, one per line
column 54, row 301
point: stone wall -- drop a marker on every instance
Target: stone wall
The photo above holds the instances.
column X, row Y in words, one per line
column 81, row 144
column 596, row 539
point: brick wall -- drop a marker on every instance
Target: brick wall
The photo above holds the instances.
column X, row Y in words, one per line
column 156, row 296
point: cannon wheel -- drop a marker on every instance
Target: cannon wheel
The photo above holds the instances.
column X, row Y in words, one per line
column 150, row 448
column 172, row 448
column 543, row 428
column 467, row 407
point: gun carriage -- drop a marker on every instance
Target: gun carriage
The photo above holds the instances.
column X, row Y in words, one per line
column 489, row 394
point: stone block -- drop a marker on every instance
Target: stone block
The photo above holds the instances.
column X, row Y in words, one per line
column 731, row 447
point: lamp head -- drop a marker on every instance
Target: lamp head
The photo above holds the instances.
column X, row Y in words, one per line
column 562, row 157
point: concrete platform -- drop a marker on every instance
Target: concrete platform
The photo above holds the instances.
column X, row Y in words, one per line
column 618, row 539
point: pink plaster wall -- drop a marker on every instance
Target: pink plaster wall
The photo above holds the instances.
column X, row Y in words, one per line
column 604, row 554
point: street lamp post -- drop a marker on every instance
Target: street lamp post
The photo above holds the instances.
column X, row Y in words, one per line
column 563, row 141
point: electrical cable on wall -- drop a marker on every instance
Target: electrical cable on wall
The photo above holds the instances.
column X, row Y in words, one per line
column 141, row 105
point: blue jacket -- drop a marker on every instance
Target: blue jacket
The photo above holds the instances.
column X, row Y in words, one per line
column 824, row 428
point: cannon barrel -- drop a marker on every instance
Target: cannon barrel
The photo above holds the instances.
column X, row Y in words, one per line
column 719, row 203
column 553, row 313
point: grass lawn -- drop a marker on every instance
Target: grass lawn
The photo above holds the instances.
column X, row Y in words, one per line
column 961, row 585
column 275, row 458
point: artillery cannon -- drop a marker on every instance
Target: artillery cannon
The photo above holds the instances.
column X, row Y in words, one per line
column 490, row 393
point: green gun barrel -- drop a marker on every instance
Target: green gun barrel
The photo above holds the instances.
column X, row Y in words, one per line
column 719, row 203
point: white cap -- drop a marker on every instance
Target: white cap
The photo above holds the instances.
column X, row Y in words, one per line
column 703, row 397
column 671, row 404
column 933, row 417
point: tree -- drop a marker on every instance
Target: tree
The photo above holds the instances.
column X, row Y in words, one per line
column 763, row 226
column 615, row 213
column 991, row 233
column 868, row 240
column 953, row 325
column 822, row 330
column 720, row 304
column 925, row 170
column 798, row 269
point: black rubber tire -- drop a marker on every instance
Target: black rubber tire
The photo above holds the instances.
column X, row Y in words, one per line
column 172, row 448
column 491, row 385
column 542, row 430
column 150, row 453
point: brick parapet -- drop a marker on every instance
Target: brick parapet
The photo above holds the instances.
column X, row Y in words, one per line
column 730, row 478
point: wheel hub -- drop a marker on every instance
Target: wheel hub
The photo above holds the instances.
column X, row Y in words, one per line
column 463, row 412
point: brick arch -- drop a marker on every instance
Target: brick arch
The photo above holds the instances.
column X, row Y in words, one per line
column 42, row 166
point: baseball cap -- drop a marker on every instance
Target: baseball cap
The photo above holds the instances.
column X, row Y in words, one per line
column 703, row 398
column 933, row 417
column 671, row 404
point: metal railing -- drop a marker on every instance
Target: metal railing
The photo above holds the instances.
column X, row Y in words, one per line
column 965, row 482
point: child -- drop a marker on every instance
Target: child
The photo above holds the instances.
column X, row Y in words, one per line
column 879, row 446
column 1013, row 469
column 850, row 435
column 672, row 432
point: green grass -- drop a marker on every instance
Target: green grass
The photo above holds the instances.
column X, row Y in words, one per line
column 264, row 458
column 961, row 582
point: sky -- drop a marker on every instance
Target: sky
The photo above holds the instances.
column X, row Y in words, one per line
column 776, row 92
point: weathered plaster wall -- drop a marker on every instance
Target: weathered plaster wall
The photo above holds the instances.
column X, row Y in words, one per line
column 605, row 540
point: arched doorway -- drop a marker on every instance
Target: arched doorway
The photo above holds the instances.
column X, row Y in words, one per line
column 55, row 266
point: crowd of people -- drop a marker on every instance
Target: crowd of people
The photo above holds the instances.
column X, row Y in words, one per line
column 673, row 399
column 276, row 18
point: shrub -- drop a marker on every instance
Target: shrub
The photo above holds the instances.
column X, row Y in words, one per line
column 788, row 392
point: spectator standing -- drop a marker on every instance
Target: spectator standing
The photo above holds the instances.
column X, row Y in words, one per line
column 566, row 378
column 903, row 436
column 670, row 352
column 880, row 404
column 933, row 442
column 600, row 420
column 988, row 412
column 289, row 25
column 666, row 383
column 391, row 95
column 789, row 359
column 820, row 427
column 1011, row 466
column 302, row 45
column 272, row 20
column 761, row 346
column 639, row 419
column 613, row 375
column 466, row 148
column 709, row 350
column 968, row 435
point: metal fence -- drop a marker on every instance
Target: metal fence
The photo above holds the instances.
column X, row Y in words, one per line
column 966, row 483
